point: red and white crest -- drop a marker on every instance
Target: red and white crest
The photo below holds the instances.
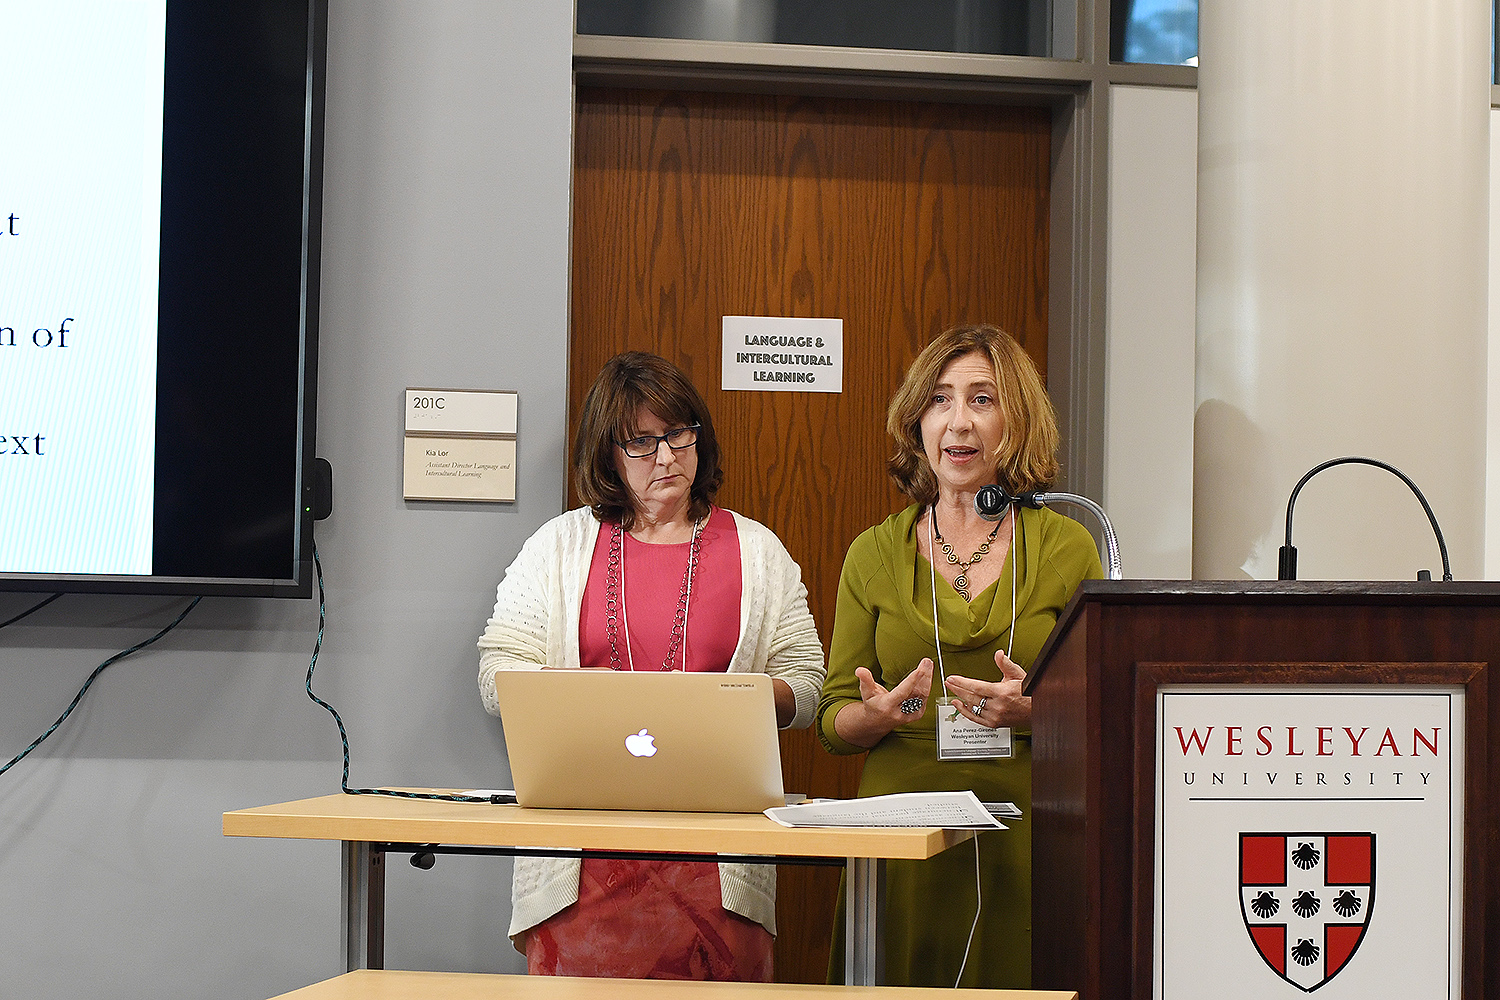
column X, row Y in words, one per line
column 1306, row 900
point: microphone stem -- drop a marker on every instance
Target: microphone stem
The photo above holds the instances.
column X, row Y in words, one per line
column 1113, row 571
column 992, row 501
column 1356, row 460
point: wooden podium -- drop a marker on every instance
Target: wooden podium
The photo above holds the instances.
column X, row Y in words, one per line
column 1095, row 741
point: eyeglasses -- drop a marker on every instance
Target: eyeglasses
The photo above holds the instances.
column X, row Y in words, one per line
column 646, row 445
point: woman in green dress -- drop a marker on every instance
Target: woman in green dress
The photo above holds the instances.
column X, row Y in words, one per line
column 972, row 411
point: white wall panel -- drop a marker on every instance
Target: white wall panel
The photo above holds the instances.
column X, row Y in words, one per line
column 1342, row 284
column 1148, row 458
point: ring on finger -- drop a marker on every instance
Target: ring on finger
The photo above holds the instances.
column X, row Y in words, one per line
column 911, row 706
column 980, row 709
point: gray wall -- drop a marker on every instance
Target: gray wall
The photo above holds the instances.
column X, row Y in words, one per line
column 445, row 264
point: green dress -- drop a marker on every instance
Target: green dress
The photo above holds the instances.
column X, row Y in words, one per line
column 883, row 621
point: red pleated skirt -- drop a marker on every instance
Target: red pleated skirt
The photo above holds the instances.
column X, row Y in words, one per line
column 650, row 920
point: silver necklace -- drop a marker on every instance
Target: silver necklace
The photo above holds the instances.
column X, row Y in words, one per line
column 961, row 582
column 614, row 601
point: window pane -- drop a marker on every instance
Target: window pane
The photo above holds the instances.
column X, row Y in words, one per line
column 1153, row 31
column 994, row 27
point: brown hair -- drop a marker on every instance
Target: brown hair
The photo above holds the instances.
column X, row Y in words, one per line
column 1027, row 458
column 626, row 383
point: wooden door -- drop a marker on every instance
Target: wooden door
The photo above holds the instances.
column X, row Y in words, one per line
column 901, row 219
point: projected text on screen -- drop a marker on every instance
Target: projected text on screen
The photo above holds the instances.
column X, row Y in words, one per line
column 80, row 206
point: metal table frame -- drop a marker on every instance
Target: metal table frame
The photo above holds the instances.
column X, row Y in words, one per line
column 362, row 897
column 370, row 827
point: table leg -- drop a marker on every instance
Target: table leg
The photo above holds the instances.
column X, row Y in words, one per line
column 864, row 906
column 362, row 888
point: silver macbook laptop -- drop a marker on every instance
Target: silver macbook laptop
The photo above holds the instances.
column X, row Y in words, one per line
column 606, row 739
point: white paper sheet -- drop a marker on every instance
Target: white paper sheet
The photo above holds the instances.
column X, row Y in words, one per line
column 948, row 810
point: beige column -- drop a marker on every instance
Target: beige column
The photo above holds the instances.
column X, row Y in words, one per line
column 1343, row 157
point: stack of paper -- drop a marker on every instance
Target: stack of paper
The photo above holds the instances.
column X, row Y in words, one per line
column 948, row 810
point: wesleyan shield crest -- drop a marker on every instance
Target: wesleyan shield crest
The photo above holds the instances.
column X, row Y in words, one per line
column 1306, row 900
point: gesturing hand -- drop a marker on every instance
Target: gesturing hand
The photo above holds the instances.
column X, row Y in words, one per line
column 910, row 693
column 990, row 703
column 879, row 710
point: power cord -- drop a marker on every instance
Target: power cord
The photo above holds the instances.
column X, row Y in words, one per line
column 97, row 671
column 978, row 903
column 344, row 734
column 34, row 608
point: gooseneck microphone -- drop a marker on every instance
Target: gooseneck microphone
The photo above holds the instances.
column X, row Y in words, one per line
column 990, row 503
column 1287, row 561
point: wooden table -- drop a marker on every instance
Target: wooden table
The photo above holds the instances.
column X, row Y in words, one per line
column 373, row 984
column 371, row 825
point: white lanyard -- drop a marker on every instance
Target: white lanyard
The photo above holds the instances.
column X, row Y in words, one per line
column 932, row 568
column 957, row 737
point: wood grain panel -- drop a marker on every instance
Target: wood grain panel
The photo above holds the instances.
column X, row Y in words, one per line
column 900, row 219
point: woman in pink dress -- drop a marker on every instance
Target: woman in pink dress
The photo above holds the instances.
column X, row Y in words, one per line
column 650, row 575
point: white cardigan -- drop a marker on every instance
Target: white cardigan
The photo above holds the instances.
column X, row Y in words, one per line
column 536, row 622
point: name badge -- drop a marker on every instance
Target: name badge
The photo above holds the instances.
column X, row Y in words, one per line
column 960, row 739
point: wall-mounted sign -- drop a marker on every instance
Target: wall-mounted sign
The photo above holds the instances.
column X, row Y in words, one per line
column 776, row 354
column 460, row 445
column 1308, row 838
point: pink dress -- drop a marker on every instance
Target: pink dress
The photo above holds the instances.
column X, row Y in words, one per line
column 657, row 919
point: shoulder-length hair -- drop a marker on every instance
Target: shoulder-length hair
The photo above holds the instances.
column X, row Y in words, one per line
column 627, row 383
column 1027, row 454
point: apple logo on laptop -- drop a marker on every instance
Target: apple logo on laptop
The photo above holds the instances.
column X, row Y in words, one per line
column 641, row 744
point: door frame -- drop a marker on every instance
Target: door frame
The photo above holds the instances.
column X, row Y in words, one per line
column 1075, row 91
